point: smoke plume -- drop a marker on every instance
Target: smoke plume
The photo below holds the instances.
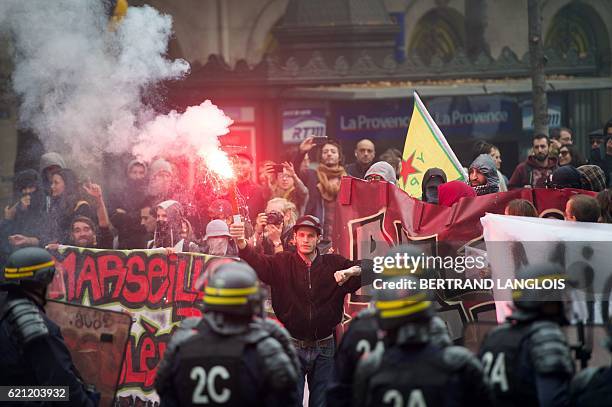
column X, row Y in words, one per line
column 80, row 84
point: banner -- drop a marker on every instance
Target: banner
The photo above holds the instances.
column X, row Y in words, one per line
column 365, row 228
column 96, row 339
column 158, row 290
column 582, row 249
column 425, row 148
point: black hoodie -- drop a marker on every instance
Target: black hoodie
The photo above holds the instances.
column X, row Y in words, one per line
column 431, row 175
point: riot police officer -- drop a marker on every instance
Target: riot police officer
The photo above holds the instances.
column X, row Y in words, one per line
column 592, row 387
column 227, row 357
column 527, row 359
column 33, row 349
column 411, row 370
column 362, row 336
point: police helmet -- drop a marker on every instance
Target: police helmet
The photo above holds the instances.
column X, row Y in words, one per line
column 233, row 290
column 29, row 265
column 401, row 253
column 530, row 294
column 401, row 301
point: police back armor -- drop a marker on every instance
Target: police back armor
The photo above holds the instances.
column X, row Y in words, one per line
column 206, row 368
column 512, row 355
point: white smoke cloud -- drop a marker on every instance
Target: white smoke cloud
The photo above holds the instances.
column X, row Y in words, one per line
column 80, row 84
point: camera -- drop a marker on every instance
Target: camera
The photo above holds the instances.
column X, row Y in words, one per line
column 277, row 168
column 275, row 218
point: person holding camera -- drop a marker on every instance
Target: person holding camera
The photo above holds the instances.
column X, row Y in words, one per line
column 273, row 229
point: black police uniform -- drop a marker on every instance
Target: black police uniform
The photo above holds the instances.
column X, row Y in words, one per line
column 33, row 352
column 413, row 369
column 527, row 360
column 361, row 338
column 202, row 366
column 528, row 364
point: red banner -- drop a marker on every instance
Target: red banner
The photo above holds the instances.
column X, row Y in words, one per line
column 373, row 217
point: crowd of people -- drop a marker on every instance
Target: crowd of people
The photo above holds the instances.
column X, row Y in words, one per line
column 152, row 209
column 282, row 227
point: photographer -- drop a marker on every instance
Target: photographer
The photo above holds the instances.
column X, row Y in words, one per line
column 273, row 229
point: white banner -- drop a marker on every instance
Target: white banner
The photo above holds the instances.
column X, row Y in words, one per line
column 582, row 249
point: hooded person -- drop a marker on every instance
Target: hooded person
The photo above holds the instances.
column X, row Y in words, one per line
column 592, row 178
column 566, row 177
column 433, row 178
column 168, row 228
column 49, row 163
column 381, row 171
column 218, row 241
column 24, row 222
column 161, row 181
column 483, row 175
column 450, row 192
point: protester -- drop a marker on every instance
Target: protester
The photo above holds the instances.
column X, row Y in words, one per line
column 566, row 177
column 84, row 233
column 365, row 152
column 50, row 163
column 604, row 198
column 432, row 179
column 582, row 208
column 537, row 168
column 308, row 291
column 521, row 207
column 67, row 201
column 217, row 241
column 483, row 175
column 263, row 177
column 161, row 185
column 381, row 171
column 394, row 157
column 449, row 193
column 274, row 228
column 569, row 155
column 323, row 183
column 597, row 141
column 255, row 196
column 129, row 197
column 220, row 209
column 288, row 186
column 592, row 178
column 24, row 222
column 484, row 147
column 167, row 233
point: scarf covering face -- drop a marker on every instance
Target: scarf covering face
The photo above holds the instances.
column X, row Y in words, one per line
column 384, row 169
column 329, row 191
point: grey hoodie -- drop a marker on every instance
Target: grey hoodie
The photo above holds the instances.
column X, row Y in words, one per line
column 384, row 169
column 485, row 164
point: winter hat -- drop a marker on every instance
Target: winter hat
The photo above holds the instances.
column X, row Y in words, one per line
column 566, row 177
column 158, row 166
column 592, row 178
column 217, row 228
column 384, row 169
column 449, row 193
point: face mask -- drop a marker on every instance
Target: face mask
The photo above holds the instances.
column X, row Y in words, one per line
column 217, row 246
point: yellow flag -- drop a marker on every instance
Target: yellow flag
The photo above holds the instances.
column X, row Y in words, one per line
column 426, row 148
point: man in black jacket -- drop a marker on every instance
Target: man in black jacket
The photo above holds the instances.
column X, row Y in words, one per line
column 308, row 292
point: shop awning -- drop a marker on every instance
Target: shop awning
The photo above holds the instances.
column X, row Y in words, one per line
column 387, row 90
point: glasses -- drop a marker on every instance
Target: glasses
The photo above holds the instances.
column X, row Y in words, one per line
column 374, row 178
column 563, row 152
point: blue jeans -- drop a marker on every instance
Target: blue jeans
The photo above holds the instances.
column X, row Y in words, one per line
column 317, row 364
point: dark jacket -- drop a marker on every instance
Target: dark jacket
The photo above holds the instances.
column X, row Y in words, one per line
column 357, row 170
column 530, row 173
column 314, row 205
column 307, row 300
